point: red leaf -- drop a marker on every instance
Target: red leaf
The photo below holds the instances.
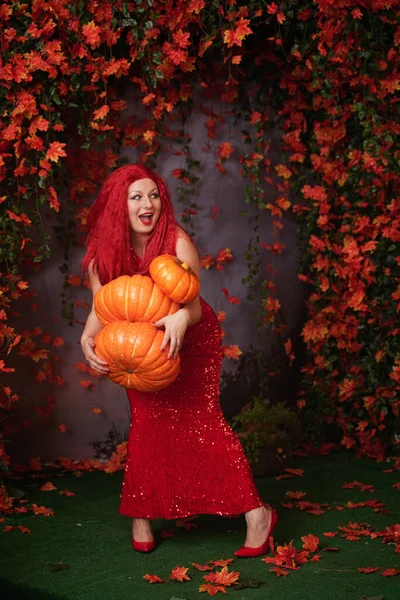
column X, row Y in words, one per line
column 153, row 578
column 368, row 570
column 202, row 567
column 180, row 574
column 390, row 572
column 310, row 542
column 221, row 562
column 212, row 589
column 279, row 572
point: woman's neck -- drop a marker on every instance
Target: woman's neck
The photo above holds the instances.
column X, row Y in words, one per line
column 138, row 243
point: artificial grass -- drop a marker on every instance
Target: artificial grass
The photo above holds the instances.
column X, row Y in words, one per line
column 84, row 551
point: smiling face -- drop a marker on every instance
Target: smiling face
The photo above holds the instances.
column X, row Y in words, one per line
column 144, row 205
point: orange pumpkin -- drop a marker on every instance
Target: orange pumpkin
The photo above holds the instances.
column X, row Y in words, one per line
column 176, row 279
column 132, row 352
column 135, row 298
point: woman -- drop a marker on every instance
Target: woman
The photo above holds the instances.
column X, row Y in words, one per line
column 183, row 457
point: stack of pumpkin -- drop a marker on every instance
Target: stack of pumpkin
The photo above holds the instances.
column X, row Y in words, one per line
column 127, row 306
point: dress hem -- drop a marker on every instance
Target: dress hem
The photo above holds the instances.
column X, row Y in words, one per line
column 190, row 514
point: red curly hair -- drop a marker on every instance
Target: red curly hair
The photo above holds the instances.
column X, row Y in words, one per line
column 108, row 241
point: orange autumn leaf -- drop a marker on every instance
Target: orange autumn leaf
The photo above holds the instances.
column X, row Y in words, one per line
column 232, row 351
column 58, row 341
column 86, row 383
column 101, row 112
column 223, row 577
column 299, row 472
column 314, row 332
column 310, row 542
column 221, row 316
column 225, row 150
column 23, row 529
column 330, row 534
column 8, row 528
column 279, row 572
column 295, row 495
column 390, row 572
column 212, row 590
column 153, row 578
column 236, row 36
column 315, row 558
column 207, row 262
column 180, row 574
column 74, row 280
column 283, row 171
column 231, row 299
column 91, row 34
column 48, row 487
column 53, row 199
column 202, row 567
column 368, row 570
column 66, row 493
column 222, row 562
column 97, row 411
column 42, row 510
column 55, row 151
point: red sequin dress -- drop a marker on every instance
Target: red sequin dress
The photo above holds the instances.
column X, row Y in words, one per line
column 183, row 457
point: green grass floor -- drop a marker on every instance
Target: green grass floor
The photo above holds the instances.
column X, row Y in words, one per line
column 92, row 541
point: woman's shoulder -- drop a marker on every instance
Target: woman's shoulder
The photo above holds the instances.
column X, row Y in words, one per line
column 182, row 234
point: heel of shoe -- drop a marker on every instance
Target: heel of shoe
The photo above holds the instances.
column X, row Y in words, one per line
column 248, row 552
column 143, row 546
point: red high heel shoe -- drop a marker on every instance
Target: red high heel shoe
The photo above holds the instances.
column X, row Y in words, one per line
column 247, row 551
column 143, row 546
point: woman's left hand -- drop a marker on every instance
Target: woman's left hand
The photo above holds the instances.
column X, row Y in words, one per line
column 175, row 329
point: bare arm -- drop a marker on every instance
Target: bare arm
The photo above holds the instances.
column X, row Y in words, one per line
column 186, row 252
column 177, row 324
column 92, row 328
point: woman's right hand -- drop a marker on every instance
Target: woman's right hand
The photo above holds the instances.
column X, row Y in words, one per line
column 94, row 361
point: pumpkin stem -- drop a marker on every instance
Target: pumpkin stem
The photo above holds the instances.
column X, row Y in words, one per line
column 185, row 266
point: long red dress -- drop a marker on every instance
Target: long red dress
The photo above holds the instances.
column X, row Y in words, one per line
column 183, row 457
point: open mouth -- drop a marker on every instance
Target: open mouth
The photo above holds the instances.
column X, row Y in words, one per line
column 146, row 218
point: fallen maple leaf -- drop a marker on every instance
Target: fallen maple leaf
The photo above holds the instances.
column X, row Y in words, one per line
column 66, row 493
column 180, row 574
column 23, row 529
column 223, row 577
column 48, row 487
column 295, row 495
column 202, row 567
column 330, row 549
column 212, row 589
column 310, row 542
column 330, row 534
column 153, row 578
column 221, row 562
column 390, row 572
column 299, row 472
column 42, row 510
column 315, row 558
column 279, row 572
column 368, row 569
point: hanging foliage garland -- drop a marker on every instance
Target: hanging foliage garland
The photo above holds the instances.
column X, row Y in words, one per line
column 328, row 72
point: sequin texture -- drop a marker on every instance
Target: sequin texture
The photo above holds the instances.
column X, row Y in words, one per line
column 183, row 457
